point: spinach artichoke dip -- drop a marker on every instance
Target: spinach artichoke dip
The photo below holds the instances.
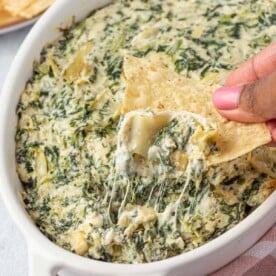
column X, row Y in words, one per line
column 136, row 187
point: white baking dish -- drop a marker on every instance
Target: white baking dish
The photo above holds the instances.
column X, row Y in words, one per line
column 47, row 258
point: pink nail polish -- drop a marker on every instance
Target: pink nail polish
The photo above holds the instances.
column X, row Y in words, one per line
column 227, row 98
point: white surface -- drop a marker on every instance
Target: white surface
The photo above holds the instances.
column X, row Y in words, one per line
column 13, row 250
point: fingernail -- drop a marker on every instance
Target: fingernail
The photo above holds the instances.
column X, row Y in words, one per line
column 271, row 124
column 272, row 127
column 227, row 98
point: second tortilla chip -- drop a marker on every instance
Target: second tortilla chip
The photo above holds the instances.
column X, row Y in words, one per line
column 150, row 84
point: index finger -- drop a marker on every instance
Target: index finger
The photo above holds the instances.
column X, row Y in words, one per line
column 260, row 65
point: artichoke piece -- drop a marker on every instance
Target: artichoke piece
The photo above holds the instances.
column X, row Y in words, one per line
column 78, row 69
column 263, row 160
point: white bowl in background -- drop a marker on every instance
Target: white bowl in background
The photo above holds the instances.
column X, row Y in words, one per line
column 46, row 258
column 18, row 26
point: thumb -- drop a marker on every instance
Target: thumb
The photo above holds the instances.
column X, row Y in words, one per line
column 254, row 102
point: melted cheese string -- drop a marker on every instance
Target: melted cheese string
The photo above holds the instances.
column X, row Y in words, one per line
column 125, row 198
column 114, row 185
column 182, row 193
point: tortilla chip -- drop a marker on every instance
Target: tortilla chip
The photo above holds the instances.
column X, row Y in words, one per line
column 151, row 84
column 26, row 8
column 6, row 19
column 36, row 8
column 13, row 6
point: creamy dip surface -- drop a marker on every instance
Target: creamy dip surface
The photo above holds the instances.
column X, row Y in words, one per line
column 89, row 197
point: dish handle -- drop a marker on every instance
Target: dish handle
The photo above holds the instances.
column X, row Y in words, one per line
column 41, row 265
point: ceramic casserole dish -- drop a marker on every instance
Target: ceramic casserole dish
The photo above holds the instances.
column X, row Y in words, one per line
column 46, row 258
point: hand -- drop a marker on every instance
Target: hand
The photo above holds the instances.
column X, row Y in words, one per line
column 249, row 94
